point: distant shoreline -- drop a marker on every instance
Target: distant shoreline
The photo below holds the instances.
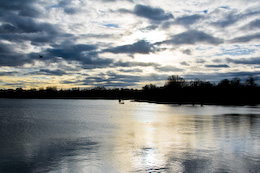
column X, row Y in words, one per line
column 175, row 91
column 134, row 100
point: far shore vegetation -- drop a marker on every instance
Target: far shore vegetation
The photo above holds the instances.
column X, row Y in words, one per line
column 176, row 90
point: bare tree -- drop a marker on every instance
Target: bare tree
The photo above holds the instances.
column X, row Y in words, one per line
column 250, row 81
column 175, row 81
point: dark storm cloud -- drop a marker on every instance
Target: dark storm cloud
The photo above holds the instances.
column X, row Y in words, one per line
column 253, row 25
column 49, row 72
column 217, row 60
column 91, row 63
column 27, row 25
column 216, row 77
column 245, row 39
column 17, row 28
column 149, row 28
column 19, row 25
column 67, row 7
column 187, row 51
column 5, row 48
column 131, row 70
column 8, row 57
column 134, row 64
column 217, row 66
column 152, row 13
column 156, row 14
column 13, row 73
column 241, row 74
column 142, row 47
column 21, row 7
column 7, row 28
column 184, row 63
column 188, row 20
column 71, row 52
column 11, row 59
column 168, row 68
column 70, row 10
column 232, row 17
column 247, row 61
column 36, row 39
column 193, row 37
column 83, row 53
column 64, row 3
column 226, row 21
column 86, row 55
column 115, row 0
column 120, row 80
column 200, row 61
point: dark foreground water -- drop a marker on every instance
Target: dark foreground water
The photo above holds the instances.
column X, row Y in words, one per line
column 104, row 136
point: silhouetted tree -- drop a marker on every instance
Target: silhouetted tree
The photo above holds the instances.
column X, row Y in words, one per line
column 206, row 84
column 149, row 87
column 197, row 83
column 224, row 83
column 99, row 88
column 41, row 89
column 33, row 90
column 175, row 81
column 235, row 82
column 250, row 81
column 51, row 88
column 19, row 89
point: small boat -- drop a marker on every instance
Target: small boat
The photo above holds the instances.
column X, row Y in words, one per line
column 121, row 101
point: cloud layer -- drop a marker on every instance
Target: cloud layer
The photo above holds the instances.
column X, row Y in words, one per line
column 125, row 43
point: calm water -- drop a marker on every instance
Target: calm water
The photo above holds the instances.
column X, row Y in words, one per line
column 104, row 136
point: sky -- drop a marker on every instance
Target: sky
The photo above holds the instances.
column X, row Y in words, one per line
column 126, row 43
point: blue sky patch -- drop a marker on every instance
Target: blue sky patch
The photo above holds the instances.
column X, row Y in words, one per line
column 236, row 51
column 111, row 25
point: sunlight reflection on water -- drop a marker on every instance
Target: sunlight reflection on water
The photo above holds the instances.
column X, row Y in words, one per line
column 104, row 136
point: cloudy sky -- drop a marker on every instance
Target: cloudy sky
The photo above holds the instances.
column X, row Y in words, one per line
column 126, row 43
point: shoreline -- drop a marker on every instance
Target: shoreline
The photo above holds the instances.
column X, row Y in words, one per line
column 194, row 103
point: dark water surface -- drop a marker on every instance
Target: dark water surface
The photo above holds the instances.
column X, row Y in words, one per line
column 104, row 136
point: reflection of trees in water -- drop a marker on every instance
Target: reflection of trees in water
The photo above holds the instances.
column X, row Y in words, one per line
column 248, row 121
column 242, row 125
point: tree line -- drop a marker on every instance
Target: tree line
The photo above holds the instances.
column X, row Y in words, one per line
column 226, row 92
column 176, row 81
column 176, row 90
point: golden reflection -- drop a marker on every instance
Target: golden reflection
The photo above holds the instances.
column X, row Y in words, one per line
column 146, row 139
column 167, row 138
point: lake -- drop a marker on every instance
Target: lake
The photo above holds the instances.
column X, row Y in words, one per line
column 55, row 135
